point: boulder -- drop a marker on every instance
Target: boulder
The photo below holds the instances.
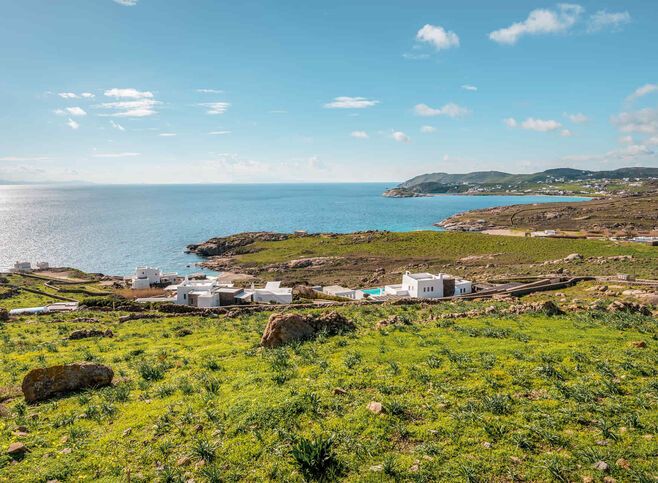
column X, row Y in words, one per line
column 17, row 450
column 4, row 315
column 89, row 333
column 573, row 257
column 284, row 328
column 44, row 383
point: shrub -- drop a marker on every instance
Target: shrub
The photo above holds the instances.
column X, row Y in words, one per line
column 151, row 372
column 204, row 450
column 316, row 459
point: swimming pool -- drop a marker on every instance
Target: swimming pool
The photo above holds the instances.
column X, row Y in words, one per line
column 372, row 291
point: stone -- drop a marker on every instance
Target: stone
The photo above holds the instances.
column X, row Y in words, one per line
column 630, row 307
column 17, row 450
column 515, row 459
column 127, row 432
column 284, row 328
column 377, row 468
column 4, row 315
column 486, row 445
column 89, row 333
column 339, row 391
column 573, row 257
column 601, row 466
column 639, row 344
column 44, row 383
column 623, row 464
column 66, row 451
column 184, row 461
column 375, row 407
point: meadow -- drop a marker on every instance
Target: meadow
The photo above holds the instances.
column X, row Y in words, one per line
column 514, row 398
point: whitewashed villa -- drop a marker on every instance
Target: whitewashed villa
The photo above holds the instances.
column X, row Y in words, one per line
column 338, row 291
column 211, row 293
column 147, row 277
column 429, row 286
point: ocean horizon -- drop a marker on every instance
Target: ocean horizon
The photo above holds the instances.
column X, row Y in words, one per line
column 114, row 228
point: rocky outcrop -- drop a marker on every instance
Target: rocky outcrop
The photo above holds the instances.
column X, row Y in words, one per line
column 234, row 244
column 629, row 307
column 454, row 223
column 45, row 383
column 284, row 328
column 548, row 307
column 403, row 193
column 89, row 333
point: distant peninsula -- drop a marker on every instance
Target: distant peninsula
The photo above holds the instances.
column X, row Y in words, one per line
column 559, row 181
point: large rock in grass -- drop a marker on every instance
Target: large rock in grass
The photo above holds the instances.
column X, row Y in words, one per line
column 45, row 383
column 4, row 315
column 284, row 328
column 89, row 333
column 628, row 307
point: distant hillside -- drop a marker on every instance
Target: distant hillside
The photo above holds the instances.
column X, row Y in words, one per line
column 437, row 182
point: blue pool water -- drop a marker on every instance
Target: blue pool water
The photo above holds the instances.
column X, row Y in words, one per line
column 112, row 229
column 372, row 291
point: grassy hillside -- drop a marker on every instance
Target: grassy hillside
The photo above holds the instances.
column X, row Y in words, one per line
column 531, row 398
column 469, row 254
column 615, row 215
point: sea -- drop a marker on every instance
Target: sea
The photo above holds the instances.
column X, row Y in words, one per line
column 113, row 229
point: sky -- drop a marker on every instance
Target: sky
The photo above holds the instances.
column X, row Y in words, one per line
column 218, row 91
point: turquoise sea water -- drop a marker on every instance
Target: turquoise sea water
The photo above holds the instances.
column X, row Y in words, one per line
column 112, row 229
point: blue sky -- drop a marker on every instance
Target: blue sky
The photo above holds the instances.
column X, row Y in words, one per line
column 148, row 91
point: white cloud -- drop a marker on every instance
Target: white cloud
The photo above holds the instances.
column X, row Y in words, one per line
column 540, row 125
column 652, row 141
column 566, row 133
column 219, row 133
column 116, row 155
column 644, row 121
column 128, row 93
column 127, row 3
column 76, row 111
column 117, row 126
column 438, row 37
column 469, row 87
column 451, row 110
column 210, row 91
column 216, row 107
column 167, row 134
column 400, row 137
column 68, row 95
column 359, row 134
column 345, row 102
column 72, row 124
column 427, row 129
column 540, row 21
column 139, row 108
column 643, row 91
column 87, row 95
column 21, row 159
column 603, row 19
column 577, row 118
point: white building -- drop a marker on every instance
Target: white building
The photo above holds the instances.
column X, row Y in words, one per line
column 147, row 277
column 43, row 265
column 211, row 293
column 429, row 286
column 338, row 291
column 22, row 267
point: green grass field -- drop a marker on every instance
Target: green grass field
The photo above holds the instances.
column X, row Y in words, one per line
column 526, row 398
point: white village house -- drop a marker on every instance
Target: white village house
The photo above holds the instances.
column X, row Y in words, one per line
column 429, row 286
column 211, row 293
column 147, row 277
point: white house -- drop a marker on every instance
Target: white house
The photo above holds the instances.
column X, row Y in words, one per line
column 43, row 265
column 211, row 293
column 147, row 277
column 22, row 267
column 428, row 286
column 338, row 291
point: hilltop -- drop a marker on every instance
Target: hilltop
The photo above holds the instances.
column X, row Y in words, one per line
column 552, row 181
